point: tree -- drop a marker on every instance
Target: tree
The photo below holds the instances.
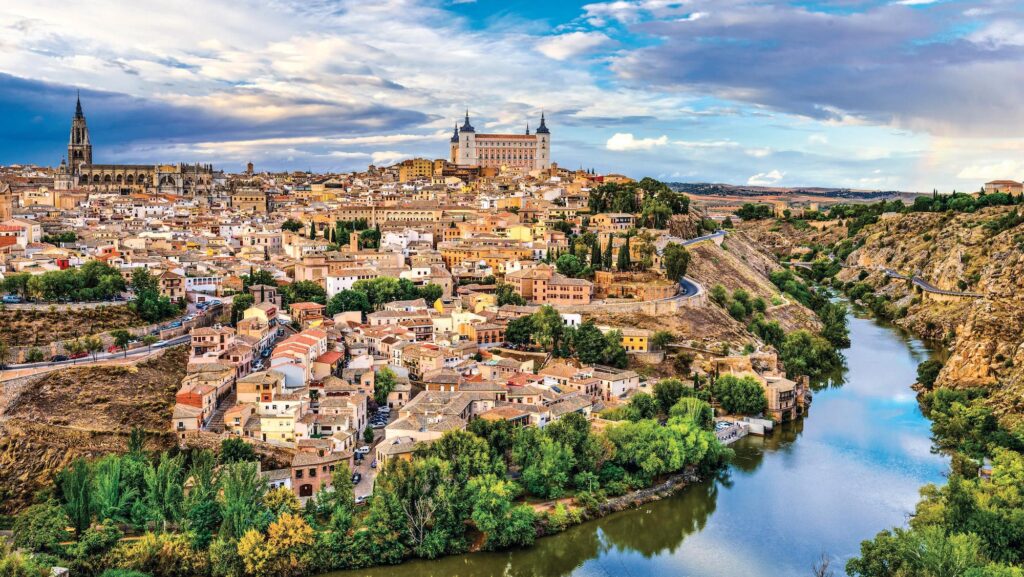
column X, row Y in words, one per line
column 928, row 372
column 547, row 327
column 348, row 300
column 76, row 488
column 430, row 292
column 589, row 343
column 661, row 339
column 201, row 512
column 668, row 392
column 41, row 528
column 165, row 490
column 546, row 467
column 804, row 353
column 595, row 255
column 258, row 277
column 502, row 523
column 384, row 382
column 380, row 290
column 519, row 331
column 235, row 450
column 694, row 410
column 122, row 339
column 149, row 341
column 507, row 295
column 284, row 551
column 623, row 262
column 676, row 259
column 304, row 291
column 239, row 304
column 740, row 395
column 113, row 498
column 241, row 499
column 570, row 266
column 92, row 344
column 368, row 434
column 291, row 225
column 312, row 230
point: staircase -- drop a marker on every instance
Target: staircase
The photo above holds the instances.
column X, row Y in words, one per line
column 216, row 422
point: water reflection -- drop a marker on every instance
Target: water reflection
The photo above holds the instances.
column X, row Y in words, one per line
column 850, row 469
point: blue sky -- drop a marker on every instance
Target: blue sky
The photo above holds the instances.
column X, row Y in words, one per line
column 907, row 94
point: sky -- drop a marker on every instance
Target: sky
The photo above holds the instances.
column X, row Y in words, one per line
column 895, row 94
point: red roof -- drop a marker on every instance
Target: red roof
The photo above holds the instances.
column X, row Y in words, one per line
column 329, row 358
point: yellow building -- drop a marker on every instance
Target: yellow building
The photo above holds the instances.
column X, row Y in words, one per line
column 415, row 168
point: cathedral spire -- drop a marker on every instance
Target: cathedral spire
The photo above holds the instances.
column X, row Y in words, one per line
column 467, row 127
column 455, row 135
column 527, row 129
column 78, row 105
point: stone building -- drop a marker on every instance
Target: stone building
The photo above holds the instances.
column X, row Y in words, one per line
column 522, row 152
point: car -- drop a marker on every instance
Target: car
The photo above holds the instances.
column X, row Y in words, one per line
column 265, row 353
column 58, row 358
column 373, row 464
column 385, row 409
column 79, row 355
column 159, row 344
column 377, row 425
column 362, row 499
column 113, row 349
column 356, row 477
column 11, row 299
column 363, row 450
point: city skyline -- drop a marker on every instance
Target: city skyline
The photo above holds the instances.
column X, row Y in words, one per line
column 879, row 95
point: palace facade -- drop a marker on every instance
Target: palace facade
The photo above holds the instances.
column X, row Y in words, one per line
column 523, row 152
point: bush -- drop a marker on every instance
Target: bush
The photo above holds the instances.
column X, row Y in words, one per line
column 740, row 395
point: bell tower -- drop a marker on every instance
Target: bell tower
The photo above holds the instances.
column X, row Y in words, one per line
column 79, row 147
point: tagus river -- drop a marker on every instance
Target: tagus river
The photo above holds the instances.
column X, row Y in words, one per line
column 850, row 469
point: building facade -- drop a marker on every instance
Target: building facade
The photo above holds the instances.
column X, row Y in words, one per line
column 78, row 170
column 522, row 152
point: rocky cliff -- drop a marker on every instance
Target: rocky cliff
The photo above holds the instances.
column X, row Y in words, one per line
column 965, row 252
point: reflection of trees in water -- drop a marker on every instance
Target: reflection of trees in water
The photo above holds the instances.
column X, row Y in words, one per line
column 750, row 450
column 663, row 525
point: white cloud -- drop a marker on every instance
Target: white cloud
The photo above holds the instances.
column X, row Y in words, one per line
column 388, row 157
column 705, row 144
column 1012, row 169
column 569, row 45
column 758, row 152
column 625, row 141
column 766, row 178
column 817, row 139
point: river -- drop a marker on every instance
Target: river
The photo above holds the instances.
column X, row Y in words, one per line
column 851, row 468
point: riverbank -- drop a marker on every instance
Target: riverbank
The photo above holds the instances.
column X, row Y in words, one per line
column 860, row 455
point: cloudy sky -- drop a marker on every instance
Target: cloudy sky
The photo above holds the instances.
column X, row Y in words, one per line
column 908, row 94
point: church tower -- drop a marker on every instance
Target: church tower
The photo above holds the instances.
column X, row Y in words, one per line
column 79, row 148
column 467, row 148
column 542, row 156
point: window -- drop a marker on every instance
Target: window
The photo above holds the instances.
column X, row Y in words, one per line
column 312, row 472
column 298, row 474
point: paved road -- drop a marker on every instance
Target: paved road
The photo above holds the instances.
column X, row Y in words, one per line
column 688, row 288
column 711, row 236
column 102, row 356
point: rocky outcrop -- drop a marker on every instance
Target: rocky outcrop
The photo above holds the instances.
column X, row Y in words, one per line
column 957, row 252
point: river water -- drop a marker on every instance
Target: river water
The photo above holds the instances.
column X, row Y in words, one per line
column 851, row 468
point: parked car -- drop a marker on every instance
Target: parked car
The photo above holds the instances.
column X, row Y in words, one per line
column 113, row 349
column 363, row 450
column 362, row 499
column 11, row 299
column 373, row 464
column 58, row 358
column 356, row 477
column 79, row 355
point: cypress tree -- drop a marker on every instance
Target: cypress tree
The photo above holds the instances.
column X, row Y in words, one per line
column 607, row 260
column 312, row 230
column 595, row 255
column 623, row 262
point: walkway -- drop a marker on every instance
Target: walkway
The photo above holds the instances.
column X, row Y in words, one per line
column 26, row 369
column 891, row 273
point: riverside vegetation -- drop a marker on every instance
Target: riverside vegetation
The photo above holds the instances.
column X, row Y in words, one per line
column 973, row 526
column 199, row 514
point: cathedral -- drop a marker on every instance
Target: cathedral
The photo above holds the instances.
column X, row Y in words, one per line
column 78, row 171
column 523, row 152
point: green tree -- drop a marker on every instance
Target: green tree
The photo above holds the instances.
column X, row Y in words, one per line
column 384, row 383
column 201, row 512
column 507, row 295
column 113, row 497
column 694, row 410
column 304, row 291
column 806, row 354
column 740, row 395
column 76, row 488
column 241, row 499
column 519, row 331
column 235, row 450
column 348, row 300
column 928, row 372
column 547, row 327
column 676, row 260
column 239, row 304
column 623, row 262
column 164, row 493
column 291, row 225
column 661, row 339
column 668, row 392
column 546, row 467
column 41, row 528
column 571, row 266
column 495, row 515
column 122, row 339
column 368, row 434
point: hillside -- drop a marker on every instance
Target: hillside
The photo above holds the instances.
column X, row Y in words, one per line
column 958, row 252
column 42, row 326
column 54, row 418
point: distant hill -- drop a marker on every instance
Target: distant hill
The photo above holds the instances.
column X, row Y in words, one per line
column 720, row 189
